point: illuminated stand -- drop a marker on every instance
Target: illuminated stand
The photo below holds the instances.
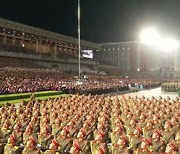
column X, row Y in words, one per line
column 164, row 48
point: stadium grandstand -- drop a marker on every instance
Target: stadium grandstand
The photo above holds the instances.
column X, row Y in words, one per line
column 44, row 48
column 116, row 107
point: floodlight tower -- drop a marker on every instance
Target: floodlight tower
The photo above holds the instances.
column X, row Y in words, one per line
column 79, row 40
column 150, row 37
column 168, row 46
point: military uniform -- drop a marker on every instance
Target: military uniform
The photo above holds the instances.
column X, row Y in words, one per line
column 44, row 140
column 30, row 147
column 98, row 147
column 117, row 149
column 80, row 146
column 168, row 136
column 65, row 143
column 31, row 151
column 11, row 149
column 12, row 146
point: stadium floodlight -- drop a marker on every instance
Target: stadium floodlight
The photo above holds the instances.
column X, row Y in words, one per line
column 168, row 45
column 150, row 36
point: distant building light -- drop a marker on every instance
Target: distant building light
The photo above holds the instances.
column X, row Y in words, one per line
column 113, row 49
column 104, row 49
column 128, row 48
column 138, row 69
column 9, row 32
column 123, row 48
column 23, row 45
column 4, row 29
column 14, row 31
column 118, row 48
column 109, row 49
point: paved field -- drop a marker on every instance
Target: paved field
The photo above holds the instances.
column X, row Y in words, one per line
column 153, row 92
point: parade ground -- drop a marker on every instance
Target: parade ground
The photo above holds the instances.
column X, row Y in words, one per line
column 156, row 92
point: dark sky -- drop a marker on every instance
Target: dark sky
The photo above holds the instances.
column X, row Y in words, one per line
column 101, row 20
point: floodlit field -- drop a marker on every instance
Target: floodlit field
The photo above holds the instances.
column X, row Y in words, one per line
column 18, row 98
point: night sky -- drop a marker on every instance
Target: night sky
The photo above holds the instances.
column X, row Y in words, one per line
column 101, row 20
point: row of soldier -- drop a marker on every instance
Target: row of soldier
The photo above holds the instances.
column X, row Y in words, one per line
column 91, row 124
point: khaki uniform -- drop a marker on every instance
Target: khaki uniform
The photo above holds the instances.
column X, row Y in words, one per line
column 18, row 136
column 96, row 145
column 167, row 136
column 134, row 142
column 116, row 149
column 83, row 145
column 143, row 151
column 26, row 137
column 56, row 129
column 5, row 133
column 50, row 152
column 31, row 151
column 147, row 132
column 10, row 149
column 115, row 136
column 64, row 142
column 44, row 140
column 157, row 147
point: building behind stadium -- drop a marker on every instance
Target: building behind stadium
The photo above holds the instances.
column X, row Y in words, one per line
column 56, row 51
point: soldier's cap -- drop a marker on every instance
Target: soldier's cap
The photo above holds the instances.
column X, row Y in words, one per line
column 174, row 118
column 12, row 137
column 169, row 123
column 133, row 120
column 66, row 130
column 76, row 145
column 82, row 131
column 151, row 121
column 47, row 129
column 58, row 120
column 54, row 141
column 168, row 98
column 158, row 132
column 102, row 134
column 139, row 129
column 173, row 145
column 147, row 141
column 32, row 140
column 120, row 126
column 124, row 138
column 17, row 125
column 101, row 150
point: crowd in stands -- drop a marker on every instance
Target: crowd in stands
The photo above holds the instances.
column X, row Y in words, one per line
column 82, row 124
column 19, row 80
column 18, row 63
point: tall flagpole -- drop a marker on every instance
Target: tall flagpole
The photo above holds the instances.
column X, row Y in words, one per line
column 79, row 39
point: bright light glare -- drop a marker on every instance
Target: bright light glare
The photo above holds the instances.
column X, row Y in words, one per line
column 150, row 36
column 168, row 44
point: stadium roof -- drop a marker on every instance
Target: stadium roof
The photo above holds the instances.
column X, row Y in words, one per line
column 44, row 33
